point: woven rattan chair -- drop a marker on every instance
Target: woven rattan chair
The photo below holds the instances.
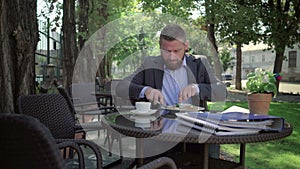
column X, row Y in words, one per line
column 110, row 137
column 88, row 126
column 162, row 162
column 53, row 111
column 27, row 143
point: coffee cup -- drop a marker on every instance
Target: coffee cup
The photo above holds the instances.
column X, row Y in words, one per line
column 143, row 106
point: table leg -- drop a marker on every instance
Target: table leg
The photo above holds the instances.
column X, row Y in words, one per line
column 139, row 151
column 111, row 101
column 205, row 156
column 242, row 154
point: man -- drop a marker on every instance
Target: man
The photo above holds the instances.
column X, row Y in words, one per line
column 174, row 77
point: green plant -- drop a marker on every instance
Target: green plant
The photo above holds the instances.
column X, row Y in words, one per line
column 262, row 81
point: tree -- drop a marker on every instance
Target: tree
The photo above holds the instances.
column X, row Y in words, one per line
column 19, row 37
column 226, row 59
column 101, row 13
column 233, row 27
column 180, row 8
column 70, row 52
column 281, row 22
column 83, row 22
column 210, row 23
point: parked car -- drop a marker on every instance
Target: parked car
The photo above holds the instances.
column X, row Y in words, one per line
column 227, row 79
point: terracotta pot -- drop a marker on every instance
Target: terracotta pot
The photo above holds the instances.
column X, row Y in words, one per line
column 259, row 103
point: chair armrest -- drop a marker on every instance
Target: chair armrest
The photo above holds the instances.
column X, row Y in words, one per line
column 70, row 144
column 94, row 147
column 85, row 104
column 162, row 161
column 90, row 125
column 95, row 111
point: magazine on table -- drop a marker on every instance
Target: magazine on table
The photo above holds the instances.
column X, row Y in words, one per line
column 185, row 126
column 230, row 121
column 242, row 120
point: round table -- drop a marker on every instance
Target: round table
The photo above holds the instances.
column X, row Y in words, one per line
column 122, row 123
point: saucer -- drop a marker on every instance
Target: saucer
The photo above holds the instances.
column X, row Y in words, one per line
column 184, row 108
column 143, row 113
column 142, row 125
column 143, row 119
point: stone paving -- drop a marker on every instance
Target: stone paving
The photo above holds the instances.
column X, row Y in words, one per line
column 238, row 95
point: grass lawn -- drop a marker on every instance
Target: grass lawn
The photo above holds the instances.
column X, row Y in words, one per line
column 279, row 154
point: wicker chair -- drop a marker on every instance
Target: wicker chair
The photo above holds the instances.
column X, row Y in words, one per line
column 109, row 137
column 88, row 126
column 162, row 162
column 27, row 143
column 53, row 111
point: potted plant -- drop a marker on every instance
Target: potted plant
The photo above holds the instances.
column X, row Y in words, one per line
column 261, row 85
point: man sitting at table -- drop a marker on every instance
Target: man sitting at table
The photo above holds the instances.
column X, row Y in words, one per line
column 174, row 76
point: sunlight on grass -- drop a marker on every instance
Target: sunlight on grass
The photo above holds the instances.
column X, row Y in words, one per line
column 286, row 159
column 278, row 154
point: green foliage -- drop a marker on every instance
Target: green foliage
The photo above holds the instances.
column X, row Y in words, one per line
column 226, row 59
column 261, row 82
column 231, row 23
column 281, row 22
column 52, row 10
column 102, row 13
column 180, row 8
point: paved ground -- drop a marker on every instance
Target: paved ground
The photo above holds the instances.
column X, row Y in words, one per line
column 236, row 95
column 284, row 87
column 288, row 92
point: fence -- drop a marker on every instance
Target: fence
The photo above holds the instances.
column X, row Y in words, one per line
column 48, row 58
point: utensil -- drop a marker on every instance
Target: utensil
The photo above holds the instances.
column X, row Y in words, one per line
column 162, row 106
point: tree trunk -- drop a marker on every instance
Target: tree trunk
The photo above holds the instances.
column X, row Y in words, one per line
column 218, row 68
column 238, row 71
column 211, row 36
column 19, row 37
column 83, row 22
column 104, row 65
column 278, row 62
column 69, row 41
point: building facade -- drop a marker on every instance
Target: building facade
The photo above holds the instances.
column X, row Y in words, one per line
column 254, row 56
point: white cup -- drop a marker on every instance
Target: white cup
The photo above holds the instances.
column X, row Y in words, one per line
column 143, row 106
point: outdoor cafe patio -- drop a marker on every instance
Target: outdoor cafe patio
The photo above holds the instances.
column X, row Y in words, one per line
column 118, row 139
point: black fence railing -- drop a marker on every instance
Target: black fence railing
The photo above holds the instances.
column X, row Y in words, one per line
column 48, row 59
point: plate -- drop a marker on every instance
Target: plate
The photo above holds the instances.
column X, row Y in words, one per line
column 143, row 113
column 184, row 107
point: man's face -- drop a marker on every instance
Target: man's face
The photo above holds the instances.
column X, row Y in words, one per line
column 173, row 52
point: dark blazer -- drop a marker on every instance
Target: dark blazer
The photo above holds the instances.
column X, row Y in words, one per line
column 150, row 73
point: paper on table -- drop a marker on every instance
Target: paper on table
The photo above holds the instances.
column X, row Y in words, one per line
column 238, row 120
column 194, row 129
column 236, row 109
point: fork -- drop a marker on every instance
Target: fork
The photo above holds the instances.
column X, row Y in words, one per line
column 162, row 105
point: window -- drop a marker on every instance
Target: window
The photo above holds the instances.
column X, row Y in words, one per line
column 263, row 58
column 292, row 58
column 252, row 59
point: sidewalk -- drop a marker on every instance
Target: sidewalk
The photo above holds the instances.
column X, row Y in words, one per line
column 238, row 95
column 288, row 92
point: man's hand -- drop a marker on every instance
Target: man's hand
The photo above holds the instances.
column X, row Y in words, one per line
column 157, row 124
column 155, row 96
column 187, row 92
